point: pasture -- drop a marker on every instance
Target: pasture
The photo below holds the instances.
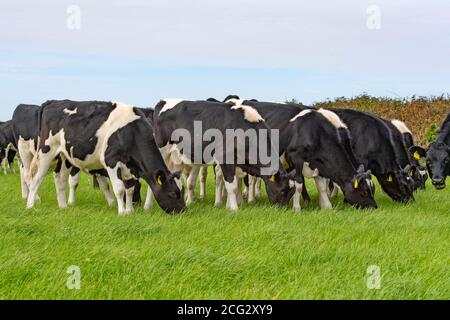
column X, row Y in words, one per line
column 259, row 252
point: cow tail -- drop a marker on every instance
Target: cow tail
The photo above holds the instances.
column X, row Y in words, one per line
column 33, row 168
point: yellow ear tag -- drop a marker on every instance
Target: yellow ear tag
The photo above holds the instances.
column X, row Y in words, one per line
column 410, row 173
column 158, row 181
column 272, row 178
column 389, row 179
column 355, row 184
column 416, row 155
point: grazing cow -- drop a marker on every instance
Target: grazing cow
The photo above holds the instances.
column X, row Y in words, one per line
column 7, row 148
column 207, row 121
column 316, row 144
column 95, row 135
column 375, row 145
column 437, row 155
column 418, row 172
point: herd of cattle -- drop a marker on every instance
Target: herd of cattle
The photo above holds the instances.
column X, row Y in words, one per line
column 340, row 148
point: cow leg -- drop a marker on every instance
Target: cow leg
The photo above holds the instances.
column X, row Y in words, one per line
column 118, row 188
column 251, row 188
column 219, row 186
column 41, row 163
column 148, row 199
column 231, row 185
column 258, row 188
column 103, row 184
column 61, row 175
column 246, row 182
column 321, row 184
column 4, row 165
column 11, row 156
column 335, row 191
column 239, row 195
column 305, row 194
column 129, row 192
column 296, row 200
column 23, row 179
column 203, row 176
column 74, row 179
column 192, row 178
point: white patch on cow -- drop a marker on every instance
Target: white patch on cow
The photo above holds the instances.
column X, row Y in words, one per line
column 422, row 172
column 169, row 104
column 332, row 117
column 308, row 172
column 401, row 126
column 121, row 116
column 70, row 112
column 300, row 114
column 232, row 189
column 250, row 113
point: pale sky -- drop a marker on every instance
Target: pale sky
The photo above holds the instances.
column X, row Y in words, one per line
column 140, row 51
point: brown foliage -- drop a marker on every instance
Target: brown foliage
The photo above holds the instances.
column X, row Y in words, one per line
column 421, row 114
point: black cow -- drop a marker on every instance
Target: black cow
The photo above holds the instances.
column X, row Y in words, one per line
column 437, row 155
column 316, row 144
column 7, row 148
column 181, row 116
column 375, row 145
column 114, row 136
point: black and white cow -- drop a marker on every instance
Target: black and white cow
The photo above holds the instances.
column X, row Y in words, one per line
column 96, row 135
column 7, row 148
column 316, row 144
column 418, row 172
column 379, row 148
column 25, row 127
column 437, row 155
column 176, row 116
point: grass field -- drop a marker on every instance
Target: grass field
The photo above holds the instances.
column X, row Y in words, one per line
column 260, row 252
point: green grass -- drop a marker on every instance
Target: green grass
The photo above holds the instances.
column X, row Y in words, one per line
column 260, row 252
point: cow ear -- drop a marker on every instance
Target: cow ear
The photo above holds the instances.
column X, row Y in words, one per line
column 418, row 152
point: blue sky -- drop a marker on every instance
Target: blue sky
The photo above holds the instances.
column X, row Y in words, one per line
column 141, row 51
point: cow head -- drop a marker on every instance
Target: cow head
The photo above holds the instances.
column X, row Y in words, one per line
column 278, row 187
column 419, row 175
column 438, row 161
column 398, row 184
column 168, row 191
column 360, row 191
